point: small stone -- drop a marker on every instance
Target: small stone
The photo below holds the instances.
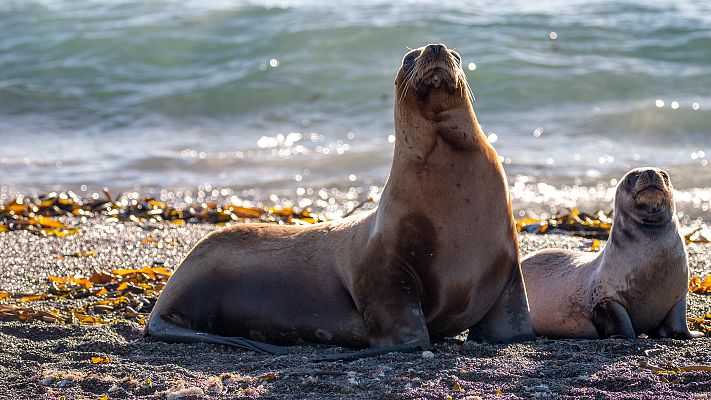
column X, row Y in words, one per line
column 46, row 381
column 541, row 389
column 427, row 354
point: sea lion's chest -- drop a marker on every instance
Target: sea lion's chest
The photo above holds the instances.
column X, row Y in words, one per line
column 466, row 278
column 648, row 286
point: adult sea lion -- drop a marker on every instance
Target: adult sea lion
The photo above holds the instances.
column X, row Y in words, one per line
column 637, row 284
column 438, row 256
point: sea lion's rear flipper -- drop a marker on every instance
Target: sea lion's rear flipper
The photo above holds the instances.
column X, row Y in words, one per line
column 356, row 355
column 612, row 320
column 674, row 325
column 509, row 319
column 163, row 330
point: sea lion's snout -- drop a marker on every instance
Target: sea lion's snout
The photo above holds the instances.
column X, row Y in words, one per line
column 649, row 179
column 437, row 68
column 434, row 68
column 650, row 190
column 436, row 48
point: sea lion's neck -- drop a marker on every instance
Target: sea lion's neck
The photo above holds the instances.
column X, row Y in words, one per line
column 627, row 233
column 428, row 137
column 445, row 162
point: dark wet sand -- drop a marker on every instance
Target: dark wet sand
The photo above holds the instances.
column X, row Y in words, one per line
column 43, row 360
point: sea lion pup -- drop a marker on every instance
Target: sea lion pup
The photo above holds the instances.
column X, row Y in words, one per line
column 438, row 256
column 636, row 285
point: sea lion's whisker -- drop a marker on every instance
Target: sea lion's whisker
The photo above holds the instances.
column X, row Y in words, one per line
column 470, row 92
column 406, row 83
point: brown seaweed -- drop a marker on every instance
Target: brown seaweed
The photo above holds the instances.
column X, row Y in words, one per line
column 702, row 324
column 574, row 222
column 700, row 286
column 38, row 215
column 106, row 297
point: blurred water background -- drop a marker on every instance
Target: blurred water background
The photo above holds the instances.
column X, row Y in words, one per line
column 292, row 101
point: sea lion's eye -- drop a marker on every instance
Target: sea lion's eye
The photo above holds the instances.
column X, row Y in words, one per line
column 409, row 60
column 631, row 179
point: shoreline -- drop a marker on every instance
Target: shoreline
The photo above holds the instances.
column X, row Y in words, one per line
column 52, row 359
column 531, row 196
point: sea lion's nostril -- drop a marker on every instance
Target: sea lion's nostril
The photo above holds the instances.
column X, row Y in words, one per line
column 437, row 48
column 651, row 175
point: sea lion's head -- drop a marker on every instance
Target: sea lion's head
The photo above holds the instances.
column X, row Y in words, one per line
column 432, row 102
column 432, row 81
column 645, row 195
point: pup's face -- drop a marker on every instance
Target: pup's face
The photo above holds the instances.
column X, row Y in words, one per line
column 646, row 195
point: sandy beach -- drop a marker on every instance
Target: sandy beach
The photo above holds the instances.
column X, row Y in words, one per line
column 51, row 360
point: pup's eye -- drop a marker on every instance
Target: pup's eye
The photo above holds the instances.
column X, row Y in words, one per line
column 632, row 179
column 409, row 60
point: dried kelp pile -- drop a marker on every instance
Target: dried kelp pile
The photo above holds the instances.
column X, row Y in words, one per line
column 593, row 226
column 575, row 222
column 38, row 215
column 702, row 324
column 103, row 297
column 700, row 285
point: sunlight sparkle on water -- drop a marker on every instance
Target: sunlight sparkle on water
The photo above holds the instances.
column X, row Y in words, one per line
column 493, row 137
column 553, row 35
column 674, row 105
column 659, row 103
column 695, row 106
column 471, row 66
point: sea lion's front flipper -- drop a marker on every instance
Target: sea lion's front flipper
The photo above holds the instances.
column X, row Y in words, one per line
column 674, row 325
column 612, row 320
column 388, row 287
column 391, row 330
column 509, row 319
column 161, row 329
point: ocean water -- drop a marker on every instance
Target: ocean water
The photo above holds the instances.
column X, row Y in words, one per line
column 293, row 100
